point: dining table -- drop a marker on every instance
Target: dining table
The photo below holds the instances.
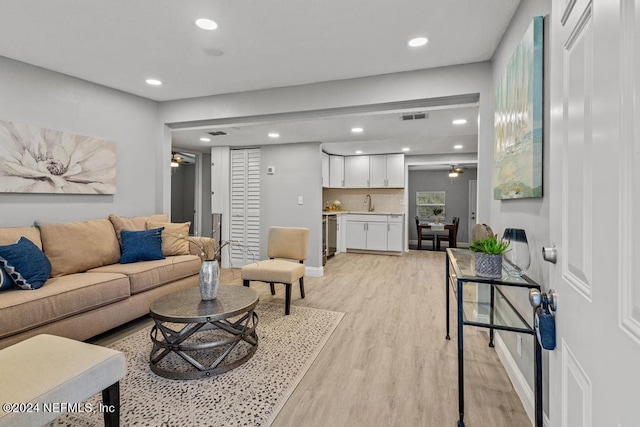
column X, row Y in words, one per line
column 442, row 226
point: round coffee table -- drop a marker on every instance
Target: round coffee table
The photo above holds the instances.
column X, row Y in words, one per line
column 226, row 332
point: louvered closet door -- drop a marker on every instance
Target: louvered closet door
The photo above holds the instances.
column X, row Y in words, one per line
column 245, row 206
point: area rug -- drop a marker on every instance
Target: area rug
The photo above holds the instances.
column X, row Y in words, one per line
column 250, row 395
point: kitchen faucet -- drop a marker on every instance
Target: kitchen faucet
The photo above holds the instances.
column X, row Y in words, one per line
column 367, row 200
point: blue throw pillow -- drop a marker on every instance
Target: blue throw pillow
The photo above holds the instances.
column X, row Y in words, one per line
column 26, row 265
column 143, row 245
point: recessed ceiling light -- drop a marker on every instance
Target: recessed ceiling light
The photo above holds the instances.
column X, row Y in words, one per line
column 206, row 24
column 418, row 41
column 274, row 135
column 205, row 139
column 357, row 130
column 406, row 149
column 459, row 121
column 153, row 82
column 359, row 152
column 457, row 147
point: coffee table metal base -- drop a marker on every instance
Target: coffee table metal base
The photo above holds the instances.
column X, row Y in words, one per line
column 167, row 340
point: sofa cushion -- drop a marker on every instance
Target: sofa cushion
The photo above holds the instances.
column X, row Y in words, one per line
column 143, row 245
column 136, row 223
column 25, row 264
column 175, row 237
column 9, row 235
column 75, row 247
column 273, row 270
column 60, row 298
column 152, row 274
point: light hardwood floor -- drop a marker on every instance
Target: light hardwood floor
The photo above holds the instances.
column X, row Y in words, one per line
column 388, row 363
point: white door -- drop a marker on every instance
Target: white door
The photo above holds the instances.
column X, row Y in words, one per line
column 336, row 171
column 377, row 236
column 245, row 206
column 378, row 171
column 395, row 170
column 356, row 235
column 394, row 236
column 325, row 170
column 473, row 206
column 356, row 171
column 594, row 190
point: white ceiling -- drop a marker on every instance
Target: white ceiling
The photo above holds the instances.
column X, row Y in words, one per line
column 383, row 133
column 263, row 44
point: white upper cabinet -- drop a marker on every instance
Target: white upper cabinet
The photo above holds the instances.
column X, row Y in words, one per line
column 325, row 170
column 376, row 171
column 387, row 170
column 336, row 171
column 395, row 170
column 356, row 171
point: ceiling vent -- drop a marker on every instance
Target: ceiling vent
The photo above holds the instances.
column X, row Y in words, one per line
column 414, row 116
column 218, row 133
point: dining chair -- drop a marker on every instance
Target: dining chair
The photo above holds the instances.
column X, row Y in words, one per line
column 447, row 236
column 285, row 245
column 424, row 234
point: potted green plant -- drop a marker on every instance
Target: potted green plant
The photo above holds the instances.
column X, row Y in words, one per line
column 436, row 214
column 488, row 256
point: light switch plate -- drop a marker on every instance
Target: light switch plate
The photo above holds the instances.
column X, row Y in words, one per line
column 300, row 200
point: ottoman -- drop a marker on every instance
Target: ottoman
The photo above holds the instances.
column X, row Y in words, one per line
column 46, row 375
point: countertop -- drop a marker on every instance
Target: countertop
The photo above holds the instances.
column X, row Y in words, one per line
column 340, row 212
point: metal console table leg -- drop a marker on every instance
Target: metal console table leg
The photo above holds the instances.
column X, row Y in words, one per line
column 460, row 357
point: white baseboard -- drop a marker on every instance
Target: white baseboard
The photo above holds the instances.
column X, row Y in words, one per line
column 313, row 271
column 520, row 384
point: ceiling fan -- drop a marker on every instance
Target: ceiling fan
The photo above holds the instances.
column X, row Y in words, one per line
column 176, row 159
column 454, row 171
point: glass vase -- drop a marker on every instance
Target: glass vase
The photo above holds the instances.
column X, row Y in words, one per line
column 517, row 257
column 209, row 280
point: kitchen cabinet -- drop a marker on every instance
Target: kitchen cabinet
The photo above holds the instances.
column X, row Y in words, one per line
column 395, row 232
column 356, row 172
column 336, row 171
column 342, row 234
column 377, row 171
column 387, row 170
column 325, row 170
column 375, row 232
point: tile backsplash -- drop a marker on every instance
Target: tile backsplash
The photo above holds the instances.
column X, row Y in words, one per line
column 353, row 199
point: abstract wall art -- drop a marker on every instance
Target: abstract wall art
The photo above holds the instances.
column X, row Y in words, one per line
column 39, row 160
column 517, row 171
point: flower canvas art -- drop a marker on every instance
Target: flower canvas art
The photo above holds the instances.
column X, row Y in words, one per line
column 40, row 160
column 518, row 123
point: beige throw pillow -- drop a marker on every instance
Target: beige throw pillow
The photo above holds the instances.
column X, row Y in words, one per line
column 174, row 237
column 74, row 247
column 9, row 236
column 136, row 223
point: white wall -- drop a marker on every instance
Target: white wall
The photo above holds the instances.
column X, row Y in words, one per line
column 297, row 173
column 532, row 215
column 44, row 98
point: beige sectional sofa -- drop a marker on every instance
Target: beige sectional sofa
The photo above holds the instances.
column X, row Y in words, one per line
column 89, row 291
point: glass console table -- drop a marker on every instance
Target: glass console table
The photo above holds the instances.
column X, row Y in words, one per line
column 495, row 311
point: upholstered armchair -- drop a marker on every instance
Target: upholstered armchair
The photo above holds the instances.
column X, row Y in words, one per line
column 287, row 251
